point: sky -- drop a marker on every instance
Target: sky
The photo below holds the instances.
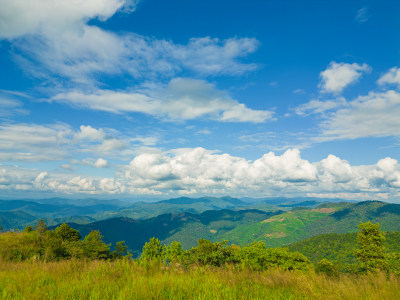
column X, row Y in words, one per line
column 157, row 99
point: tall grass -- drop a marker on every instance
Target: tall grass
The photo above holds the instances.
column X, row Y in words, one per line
column 124, row 279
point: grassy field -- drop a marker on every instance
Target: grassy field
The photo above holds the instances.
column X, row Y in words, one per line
column 124, row 279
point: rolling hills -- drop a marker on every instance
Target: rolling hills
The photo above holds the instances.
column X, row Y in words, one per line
column 277, row 228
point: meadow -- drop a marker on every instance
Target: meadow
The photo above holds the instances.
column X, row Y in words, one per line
column 127, row 279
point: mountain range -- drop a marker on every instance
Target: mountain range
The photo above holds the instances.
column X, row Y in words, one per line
column 276, row 221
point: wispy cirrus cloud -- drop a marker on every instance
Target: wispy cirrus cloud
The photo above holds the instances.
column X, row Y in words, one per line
column 317, row 106
column 11, row 104
column 58, row 142
column 181, row 99
column 362, row 15
column 52, row 38
column 84, row 56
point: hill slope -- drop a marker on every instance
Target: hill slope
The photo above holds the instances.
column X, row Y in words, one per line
column 186, row 228
column 339, row 247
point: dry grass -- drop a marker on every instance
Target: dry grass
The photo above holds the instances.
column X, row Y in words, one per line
column 128, row 280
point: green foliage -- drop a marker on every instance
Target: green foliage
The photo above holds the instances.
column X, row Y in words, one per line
column 53, row 248
column 286, row 260
column 276, row 230
column 212, row 254
column 67, row 234
column 393, row 263
column 121, row 250
column 28, row 229
column 326, row 267
column 153, row 250
column 371, row 253
column 16, row 246
column 253, row 256
column 339, row 248
column 174, row 253
column 94, row 247
column 41, row 227
column 257, row 257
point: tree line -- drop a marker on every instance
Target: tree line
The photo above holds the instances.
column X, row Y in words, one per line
column 64, row 242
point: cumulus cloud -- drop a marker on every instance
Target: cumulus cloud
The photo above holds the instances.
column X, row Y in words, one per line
column 182, row 99
column 374, row 115
column 200, row 171
column 339, row 75
column 101, row 163
column 391, row 77
column 90, row 133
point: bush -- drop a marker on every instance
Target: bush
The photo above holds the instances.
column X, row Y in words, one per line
column 153, row 250
column 326, row 267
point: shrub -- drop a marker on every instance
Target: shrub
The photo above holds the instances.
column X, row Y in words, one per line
column 326, row 267
column 153, row 250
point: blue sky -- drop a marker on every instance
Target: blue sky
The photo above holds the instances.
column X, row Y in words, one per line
column 151, row 98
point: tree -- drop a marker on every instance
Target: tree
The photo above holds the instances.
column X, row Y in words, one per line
column 174, row 252
column 371, row 253
column 41, row 226
column 121, row 250
column 94, row 247
column 213, row 254
column 153, row 250
column 28, row 229
column 67, row 234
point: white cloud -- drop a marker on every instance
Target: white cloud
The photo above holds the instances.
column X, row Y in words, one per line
column 200, row 171
column 374, row 115
column 101, row 163
column 10, row 106
column 203, row 171
column 85, row 55
column 362, row 15
column 10, row 103
column 52, row 37
column 319, row 107
column 391, row 77
column 339, row 75
column 57, row 142
column 90, row 133
column 299, row 91
column 19, row 17
column 34, row 142
column 182, row 99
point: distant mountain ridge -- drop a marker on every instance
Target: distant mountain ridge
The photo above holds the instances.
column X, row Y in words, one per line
column 243, row 226
column 173, row 225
